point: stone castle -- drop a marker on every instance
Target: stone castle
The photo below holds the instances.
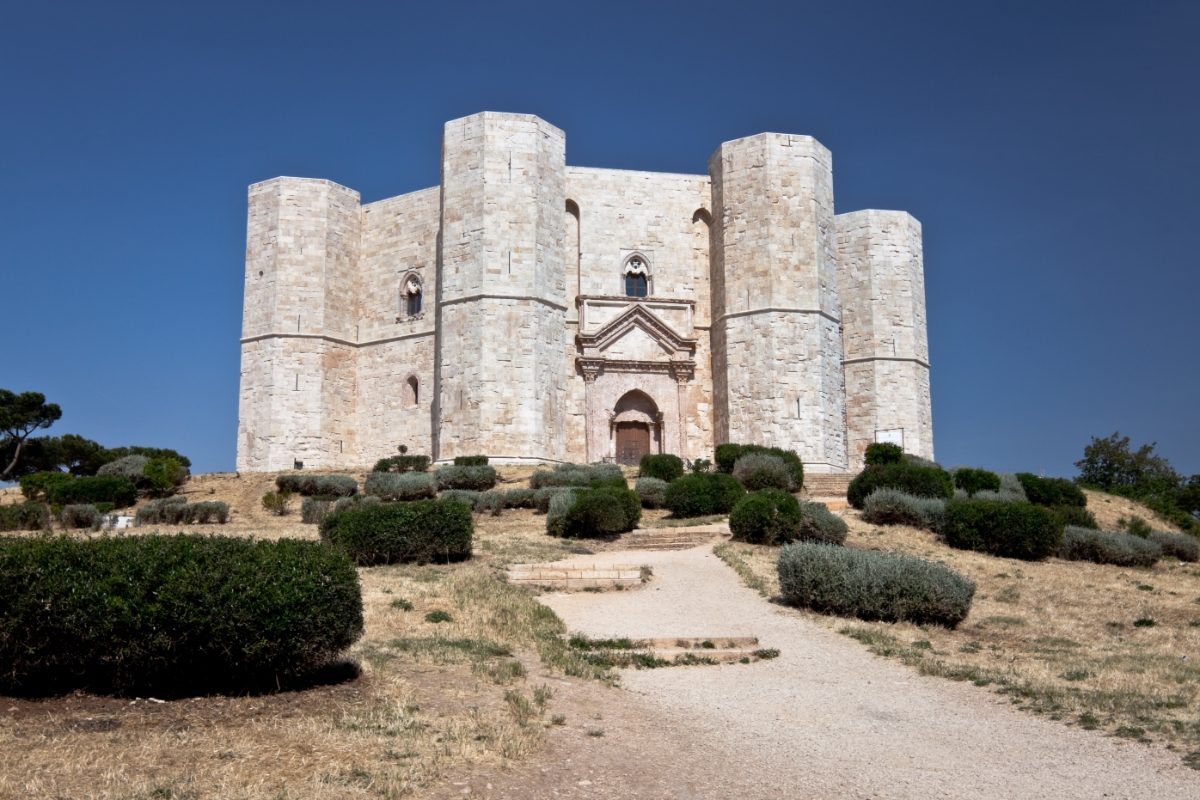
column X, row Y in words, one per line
column 531, row 311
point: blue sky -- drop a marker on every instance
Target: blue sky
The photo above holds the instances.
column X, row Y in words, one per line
column 1049, row 149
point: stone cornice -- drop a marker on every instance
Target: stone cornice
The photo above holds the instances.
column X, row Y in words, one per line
column 623, row 299
column 334, row 339
column 865, row 359
column 522, row 297
column 774, row 310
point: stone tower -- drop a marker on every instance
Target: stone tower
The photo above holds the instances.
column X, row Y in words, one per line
column 297, row 399
column 776, row 341
column 882, row 285
column 502, row 333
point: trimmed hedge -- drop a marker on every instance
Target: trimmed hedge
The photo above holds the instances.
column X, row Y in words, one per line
column 767, row 517
column 357, row 501
column 665, row 467
column 1104, row 547
column 470, row 461
column 402, row 463
column 1179, row 545
column 497, row 500
column 872, row 585
column 596, row 513
column 401, row 486
column 894, row 507
column 465, row 496
column 908, row 478
column 1051, row 491
column 176, row 511
column 25, row 516
column 420, row 531
column 476, row 478
column 651, row 491
column 703, row 494
column 207, row 511
column 583, row 475
column 114, row 489
column 171, row 614
column 727, row 456
column 819, row 524
column 318, row 485
column 879, row 453
column 1001, row 528
column 762, row 471
column 972, row 480
column 39, row 485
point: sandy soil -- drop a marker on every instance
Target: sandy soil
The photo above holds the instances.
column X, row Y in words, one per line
column 825, row 719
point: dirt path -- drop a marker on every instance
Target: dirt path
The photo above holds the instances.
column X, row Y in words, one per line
column 824, row 720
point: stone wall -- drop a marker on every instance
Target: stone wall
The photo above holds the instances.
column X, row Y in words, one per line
column 882, row 288
column 776, row 340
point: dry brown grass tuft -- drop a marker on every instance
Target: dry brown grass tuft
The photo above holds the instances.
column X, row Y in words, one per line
column 1060, row 638
column 432, row 697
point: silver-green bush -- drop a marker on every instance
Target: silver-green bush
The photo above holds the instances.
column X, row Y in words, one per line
column 894, row 507
column 651, row 491
column 559, row 504
column 132, row 467
column 401, row 485
column 578, row 475
column 819, row 524
column 315, row 509
column 1010, row 489
column 357, row 501
column 206, row 512
column 80, row 515
column 476, row 478
column 465, row 496
column 872, row 585
column 1106, row 547
column 1178, row 545
column 758, row 471
column 164, row 511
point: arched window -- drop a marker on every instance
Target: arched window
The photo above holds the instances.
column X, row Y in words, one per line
column 411, row 296
column 412, row 392
column 637, row 277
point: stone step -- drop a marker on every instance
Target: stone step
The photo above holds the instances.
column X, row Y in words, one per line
column 682, row 650
column 576, row 576
column 827, row 484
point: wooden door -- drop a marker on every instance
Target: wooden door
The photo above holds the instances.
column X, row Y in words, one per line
column 633, row 441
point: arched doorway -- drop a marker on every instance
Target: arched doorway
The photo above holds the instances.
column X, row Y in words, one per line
column 636, row 427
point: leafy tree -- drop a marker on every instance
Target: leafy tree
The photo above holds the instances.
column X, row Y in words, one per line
column 21, row 415
column 1110, row 464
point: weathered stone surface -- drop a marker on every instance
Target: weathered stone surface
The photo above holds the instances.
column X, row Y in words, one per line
column 766, row 318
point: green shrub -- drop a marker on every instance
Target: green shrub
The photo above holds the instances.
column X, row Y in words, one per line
column 1000, row 528
column 972, row 480
column 1074, row 515
column 819, row 524
column 597, row 513
column 872, row 585
column 580, row 475
column 701, row 465
column 206, row 512
column 328, row 486
column 401, row 485
column 162, row 476
column 277, row 503
column 357, row 501
column 1135, row 525
column 651, row 491
column 104, row 508
column 464, row 496
column 478, row 479
column 880, row 453
column 769, row 517
column 907, row 478
column 702, row 495
column 762, row 471
column 27, row 516
column 1051, row 491
column 421, row 531
column 172, row 614
column 1103, row 547
column 315, row 509
column 79, row 516
column 497, row 500
column 1178, row 545
column 132, row 467
column 727, row 456
column 470, row 461
column 544, row 496
column 164, row 511
column 38, row 486
column 894, row 507
column 663, row 466
column 402, row 463
column 119, row 491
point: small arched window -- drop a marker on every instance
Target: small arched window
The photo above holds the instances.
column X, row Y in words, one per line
column 411, row 296
column 637, row 277
column 412, row 391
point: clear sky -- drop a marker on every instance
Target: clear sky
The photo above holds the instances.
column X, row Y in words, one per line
column 1050, row 150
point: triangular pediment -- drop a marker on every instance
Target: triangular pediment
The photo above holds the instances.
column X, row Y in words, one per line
column 637, row 333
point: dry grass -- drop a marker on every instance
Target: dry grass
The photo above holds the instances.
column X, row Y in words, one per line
column 431, row 697
column 1061, row 638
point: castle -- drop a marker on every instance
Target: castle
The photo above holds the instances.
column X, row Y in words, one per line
column 531, row 311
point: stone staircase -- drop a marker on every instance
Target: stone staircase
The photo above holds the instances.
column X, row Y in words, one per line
column 828, row 488
column 680, row 650
column 680, row 538
column 577, row 577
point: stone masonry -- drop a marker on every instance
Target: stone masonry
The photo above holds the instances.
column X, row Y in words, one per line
column 531, row 311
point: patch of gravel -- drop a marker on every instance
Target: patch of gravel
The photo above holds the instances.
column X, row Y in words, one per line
column 827, row 719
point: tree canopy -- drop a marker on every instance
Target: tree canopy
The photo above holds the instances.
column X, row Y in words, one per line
column 21, row 415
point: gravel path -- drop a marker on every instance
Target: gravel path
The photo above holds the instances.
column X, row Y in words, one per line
column 828, row 720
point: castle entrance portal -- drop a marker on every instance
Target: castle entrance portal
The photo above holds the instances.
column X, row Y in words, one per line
column 636, row 427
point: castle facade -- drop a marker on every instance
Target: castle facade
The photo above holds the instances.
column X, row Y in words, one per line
column 528, row 310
